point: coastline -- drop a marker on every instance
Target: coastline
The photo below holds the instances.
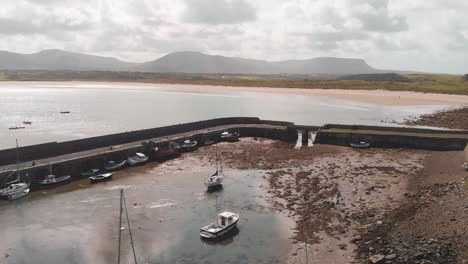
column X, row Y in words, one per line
column 377, row 97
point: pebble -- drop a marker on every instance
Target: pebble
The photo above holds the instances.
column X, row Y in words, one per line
column 376, row 259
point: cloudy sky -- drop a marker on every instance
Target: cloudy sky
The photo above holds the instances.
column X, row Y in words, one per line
column 423, row 35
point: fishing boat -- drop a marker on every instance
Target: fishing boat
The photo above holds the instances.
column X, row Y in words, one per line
column 215, row 181
column 101, row 177
column 189, row 145
column 27, row 122
column 139, row 158
column 361, row 144
column 51, row 181
column 230, row 137
column 114, row 165
column 90, row 173
column 225, row 223
column 64, row 112
column 162, row 151
column 18, row 195
column 13, row 189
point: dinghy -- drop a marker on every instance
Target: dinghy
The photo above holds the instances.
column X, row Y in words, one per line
column 100, row 178
column 114, row 165
column 361, row 144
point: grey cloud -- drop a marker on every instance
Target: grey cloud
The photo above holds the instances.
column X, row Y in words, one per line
column 219, row 11
column 11, row 26
column 379, row 19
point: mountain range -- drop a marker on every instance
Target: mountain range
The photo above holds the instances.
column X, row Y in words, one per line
column 182, row 62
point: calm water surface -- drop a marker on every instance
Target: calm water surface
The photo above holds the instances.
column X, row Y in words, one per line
column 98, row 109
column 167, row 206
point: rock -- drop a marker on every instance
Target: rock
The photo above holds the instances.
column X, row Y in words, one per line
column 390, row 257
column 376, row 259
column 379, row 222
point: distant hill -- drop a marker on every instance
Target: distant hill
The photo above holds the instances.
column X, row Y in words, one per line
column 181, row 62
column 61, row 60
column 377, row 77
column 196, row 62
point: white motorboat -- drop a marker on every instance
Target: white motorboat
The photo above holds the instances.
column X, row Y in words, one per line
column 90, row 173
column 114, row 165
column 361, row 144
column 225, row 223
column 13, row 189
column 18, row 195
column 139, row 158
column 100, row 178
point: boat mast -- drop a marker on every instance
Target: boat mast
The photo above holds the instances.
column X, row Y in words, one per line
column 122, row 199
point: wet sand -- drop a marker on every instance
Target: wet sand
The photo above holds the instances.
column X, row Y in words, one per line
column 346, row 205
column 378, row 97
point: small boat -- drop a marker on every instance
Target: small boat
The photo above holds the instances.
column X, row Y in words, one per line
column 51, row 181
column 90, row 172
column 18, row 195
column 114, row 165
column 215, row 180
column 16, row 127
column 189, row 145
column 139, row 158
column 100, row 178
column 227, row 136
column 361, row 144
column 13, row 189
column 27, row 122
column 64, row 112
column 226, row 222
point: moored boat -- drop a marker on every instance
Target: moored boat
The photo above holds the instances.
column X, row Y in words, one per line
column 18, row 195
column 189, row 145
column 100, row 178
column 51, row 181
column 13, row 189
column 114, row 165
column 230, row 137
column 139, row 158
column 361, row 144
column 91, row 172
column 225, row 223
column 215, row 181
column 27, row 122
column 64, row 112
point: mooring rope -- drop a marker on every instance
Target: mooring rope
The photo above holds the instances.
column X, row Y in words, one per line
column 129, row 229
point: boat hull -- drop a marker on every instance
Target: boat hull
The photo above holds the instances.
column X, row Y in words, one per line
column 116, row 166
column 100, row 179
column 18, row 195
column 220, row 234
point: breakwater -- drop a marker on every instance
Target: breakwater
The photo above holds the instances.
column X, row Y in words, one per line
column 74, row 157
column 393, row 137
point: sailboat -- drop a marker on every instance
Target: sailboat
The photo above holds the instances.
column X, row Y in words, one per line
column 215, row 180
column 15, row 189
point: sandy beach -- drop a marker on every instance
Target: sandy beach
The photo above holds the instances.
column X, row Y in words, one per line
column 379, row 97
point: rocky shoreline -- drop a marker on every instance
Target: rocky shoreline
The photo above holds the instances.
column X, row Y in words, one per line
column 363, row 206
column 453, row 119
